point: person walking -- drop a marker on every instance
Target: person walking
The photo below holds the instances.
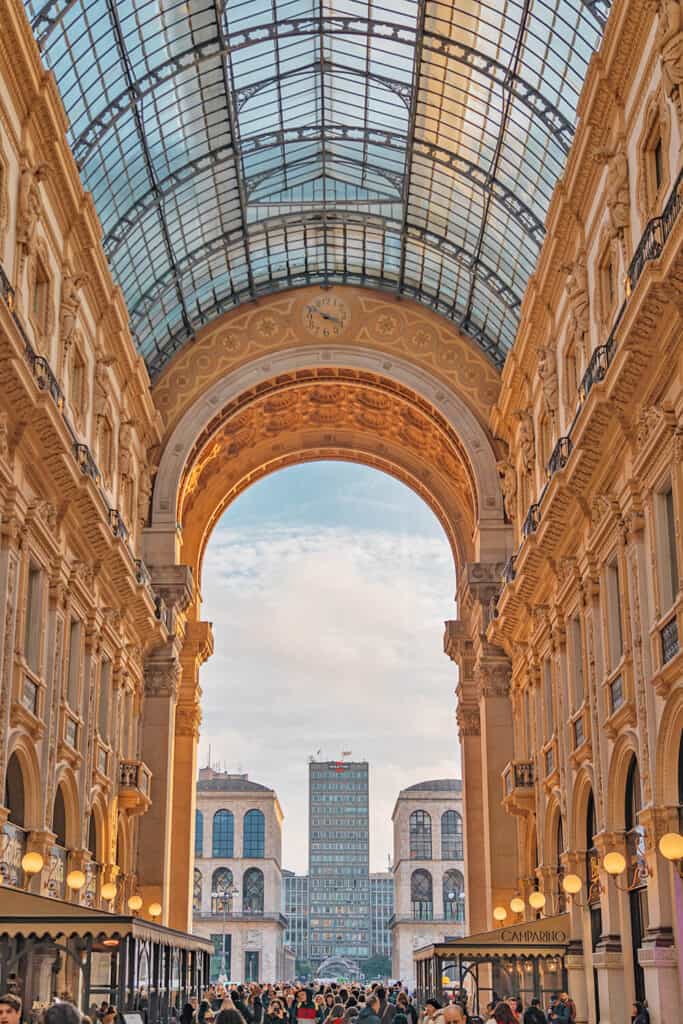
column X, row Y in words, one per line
column 534, row 1014
column 370, row 1012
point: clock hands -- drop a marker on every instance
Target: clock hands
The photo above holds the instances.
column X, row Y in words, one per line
column 325, row 316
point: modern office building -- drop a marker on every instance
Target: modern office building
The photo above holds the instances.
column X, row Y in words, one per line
column 381, row 912
column 339, row 895
column 295, row 890
column 429, row 854
column 237, row 896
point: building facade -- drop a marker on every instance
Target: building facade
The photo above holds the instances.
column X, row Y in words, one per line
column 381, row 912
column 339, row 860
column 295, row 889
column 428, row 871
column 237, row 894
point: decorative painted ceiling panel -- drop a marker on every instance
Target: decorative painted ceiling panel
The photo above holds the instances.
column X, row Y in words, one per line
column 237, row 147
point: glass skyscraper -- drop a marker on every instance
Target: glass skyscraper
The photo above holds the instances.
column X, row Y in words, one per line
column 339, row 864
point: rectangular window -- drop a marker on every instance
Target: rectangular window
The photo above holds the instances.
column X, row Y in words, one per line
column 615, row 634
column 32, row 625
column 666, row 545
column 577, row 662
column 41, row 296
column 548, row 698
column 105, row 696
column 73, row 683
column 616, row 694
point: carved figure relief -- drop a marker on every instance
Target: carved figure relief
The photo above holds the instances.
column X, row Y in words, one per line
column 616, row 186
column 29, row 208
column 68, row 313
column 670, row 46
column 527, row 445
column 579, row 302
column 547, row 371
column 508, row 486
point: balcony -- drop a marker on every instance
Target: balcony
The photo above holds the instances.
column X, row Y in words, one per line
column 518, row 787
column 135, row 783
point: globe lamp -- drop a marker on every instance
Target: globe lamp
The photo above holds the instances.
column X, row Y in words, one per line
column 75, row 880
column 671, row 846
column 572, row 884
column 517, row 905
column 134, row 903
column 108, row 891
column 614, row 863
column 536, row 900
column 499, row 913
column 32, row 862
column 155, row 910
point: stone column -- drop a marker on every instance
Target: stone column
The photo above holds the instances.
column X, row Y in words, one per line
column 197, row 647
column 162, row 670
column 616, row 989
column 579, row 966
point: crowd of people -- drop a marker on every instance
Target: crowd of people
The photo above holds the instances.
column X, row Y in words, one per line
column 330, row 1003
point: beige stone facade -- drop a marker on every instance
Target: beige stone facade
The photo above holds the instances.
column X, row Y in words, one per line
column 428, row 870
column 238, row 851
column 557, row 481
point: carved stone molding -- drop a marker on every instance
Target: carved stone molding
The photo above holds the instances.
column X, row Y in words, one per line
column 162, row 676
column 469, row 723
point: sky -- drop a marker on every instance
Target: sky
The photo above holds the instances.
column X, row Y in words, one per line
column 328, row 585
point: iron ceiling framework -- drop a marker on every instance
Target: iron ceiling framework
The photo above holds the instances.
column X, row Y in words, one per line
column 238, row 147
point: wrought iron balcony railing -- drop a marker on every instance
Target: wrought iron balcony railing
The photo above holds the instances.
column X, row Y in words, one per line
column 649, row 248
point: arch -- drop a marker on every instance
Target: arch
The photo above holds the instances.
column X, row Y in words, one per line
column 582, row 795
column 188, row 413
column 67, row 788
column 223, row 834
column 199, row 833
column 254, row 834
column 452, row 836
column 15, row 791
column 222, row 890
column 420, row 830
column 553, row 814
column 669, row 738
column 221, row 880
column 421, row 895
column 197, row 890
column 453, row 887
column 24, row 751
column 98, row 843
column 253, row 891
column 625, row 749
column 124, row 857
column 59, row 817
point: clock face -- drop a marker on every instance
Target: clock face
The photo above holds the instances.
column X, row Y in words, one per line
column 326, row 316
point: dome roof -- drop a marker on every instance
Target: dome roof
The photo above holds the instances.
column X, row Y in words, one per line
column 436, row 786
column 237, row 149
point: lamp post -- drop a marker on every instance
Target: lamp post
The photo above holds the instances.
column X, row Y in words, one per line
column 223, row 897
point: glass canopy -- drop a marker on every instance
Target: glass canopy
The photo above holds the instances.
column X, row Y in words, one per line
column 238, row 147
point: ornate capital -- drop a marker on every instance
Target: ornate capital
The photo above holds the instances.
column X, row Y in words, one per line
column 493, row 680
column 468, row 720
column 188, row 718
column 161, row 677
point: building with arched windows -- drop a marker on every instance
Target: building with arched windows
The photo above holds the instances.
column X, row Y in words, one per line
column 428, row 870
column 237, row 882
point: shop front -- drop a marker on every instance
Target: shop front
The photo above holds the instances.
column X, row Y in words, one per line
column 525, row 960
column 51, row 949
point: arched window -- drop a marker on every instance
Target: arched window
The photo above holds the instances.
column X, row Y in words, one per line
column 637, row 871
column 593, row 883
column 221, row 891
column 421, row 898
column 252, row 891
column 254, row 834
column 454, row 896
column 197, row 891
column 59, row 818
column 223, row 834
column 14, row 792
column 420, row 836
column 92, row 836
column 199, row 834
column 451, row 836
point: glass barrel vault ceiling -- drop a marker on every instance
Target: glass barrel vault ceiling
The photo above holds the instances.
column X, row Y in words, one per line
column 237, row 147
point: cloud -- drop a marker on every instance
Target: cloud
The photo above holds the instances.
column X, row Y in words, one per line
column 329, row 637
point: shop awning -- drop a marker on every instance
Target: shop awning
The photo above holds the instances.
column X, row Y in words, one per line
column 547, row 937
column 27, row 914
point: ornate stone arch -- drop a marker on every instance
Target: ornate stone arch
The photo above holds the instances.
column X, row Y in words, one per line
column 583, row 790
column 98, row 810
column 625, row 748
column 25, row 750
column 66, row 779
column 656, row 125
column 666, row 757
column 553, row 813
